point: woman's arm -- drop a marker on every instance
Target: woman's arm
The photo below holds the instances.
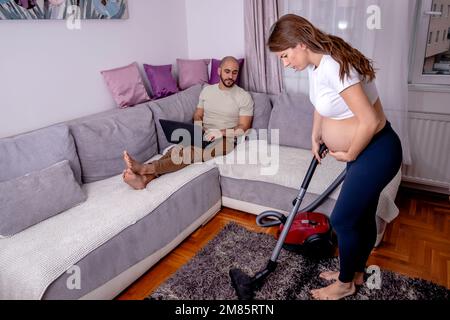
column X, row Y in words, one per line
column 368, row 121
column 317, row 127
column 316, row 136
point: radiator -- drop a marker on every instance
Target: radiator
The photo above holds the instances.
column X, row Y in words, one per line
column 430, row 151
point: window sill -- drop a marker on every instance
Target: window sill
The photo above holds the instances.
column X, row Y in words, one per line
column 429, row 87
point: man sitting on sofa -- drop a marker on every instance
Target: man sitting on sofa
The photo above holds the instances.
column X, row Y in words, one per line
column 224, row 110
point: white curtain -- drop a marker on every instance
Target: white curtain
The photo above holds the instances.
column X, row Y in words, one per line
column 387, row 44
column 262, row 70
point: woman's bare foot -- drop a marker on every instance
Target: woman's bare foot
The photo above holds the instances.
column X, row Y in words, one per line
column 136, row 181
column 358, row 279
column 335, row 291
column 136, row 167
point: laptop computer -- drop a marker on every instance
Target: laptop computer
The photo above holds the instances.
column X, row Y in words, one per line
column 184, row 133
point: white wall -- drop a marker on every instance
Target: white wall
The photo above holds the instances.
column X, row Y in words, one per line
column 215, row 28
column 50, row 74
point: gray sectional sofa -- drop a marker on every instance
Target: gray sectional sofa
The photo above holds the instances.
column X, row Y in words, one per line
column 100, row 245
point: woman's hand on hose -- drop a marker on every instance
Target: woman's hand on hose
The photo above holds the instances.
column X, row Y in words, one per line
column 316, row 142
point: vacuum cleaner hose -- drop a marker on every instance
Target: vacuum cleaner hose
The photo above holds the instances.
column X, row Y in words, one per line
column 273, row 218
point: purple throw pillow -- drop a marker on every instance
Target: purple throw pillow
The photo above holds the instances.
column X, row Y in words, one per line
column 126, row 85
column 215, row 64
column 192, row 72
column 161, row 80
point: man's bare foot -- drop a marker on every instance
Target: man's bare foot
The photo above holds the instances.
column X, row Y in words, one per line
column 136, row 181
column 358, row 279
column 335, row 291
column 135, row 166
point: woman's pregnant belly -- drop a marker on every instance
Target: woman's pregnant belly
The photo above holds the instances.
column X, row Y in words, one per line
column 338, row 134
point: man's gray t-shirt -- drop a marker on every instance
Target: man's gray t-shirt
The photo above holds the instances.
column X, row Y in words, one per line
column 222, row 108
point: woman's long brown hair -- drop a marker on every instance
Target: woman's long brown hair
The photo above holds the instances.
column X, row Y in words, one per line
column 291, row 29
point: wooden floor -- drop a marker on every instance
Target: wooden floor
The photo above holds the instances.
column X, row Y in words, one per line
column 416, row 243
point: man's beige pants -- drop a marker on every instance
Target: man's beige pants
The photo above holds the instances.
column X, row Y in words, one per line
column 179, row 157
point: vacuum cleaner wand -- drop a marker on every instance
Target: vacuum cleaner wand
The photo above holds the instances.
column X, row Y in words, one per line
column 244, row 285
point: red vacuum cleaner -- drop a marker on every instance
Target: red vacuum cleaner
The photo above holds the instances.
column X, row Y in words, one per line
column 310, row 234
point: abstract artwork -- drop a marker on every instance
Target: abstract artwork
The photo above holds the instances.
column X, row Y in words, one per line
column 63, row 9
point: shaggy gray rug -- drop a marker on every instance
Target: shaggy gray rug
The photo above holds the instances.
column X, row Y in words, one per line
column 205, row 277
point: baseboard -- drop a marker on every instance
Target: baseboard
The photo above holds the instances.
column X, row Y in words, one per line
column 420, row 185
column 248, row 207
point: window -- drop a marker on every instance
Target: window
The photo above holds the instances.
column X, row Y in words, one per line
column 431, row 57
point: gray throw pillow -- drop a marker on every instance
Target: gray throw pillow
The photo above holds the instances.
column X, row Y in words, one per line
column 292, row 115
column 37, row 150
column 34, row 197
column 177, row 107
column 261, row 112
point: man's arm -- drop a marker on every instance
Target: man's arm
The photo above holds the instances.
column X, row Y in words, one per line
column 245, row 123
column 198, row 114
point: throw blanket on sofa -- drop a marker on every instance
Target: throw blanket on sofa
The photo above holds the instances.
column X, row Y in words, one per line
column 31, row 260
column 287, row 166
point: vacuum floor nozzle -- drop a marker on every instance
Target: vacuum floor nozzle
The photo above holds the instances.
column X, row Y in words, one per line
column 243, row 284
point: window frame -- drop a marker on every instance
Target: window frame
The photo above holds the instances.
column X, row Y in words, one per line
column 420, row 42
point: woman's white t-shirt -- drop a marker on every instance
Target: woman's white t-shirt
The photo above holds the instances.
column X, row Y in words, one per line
column 325, row 86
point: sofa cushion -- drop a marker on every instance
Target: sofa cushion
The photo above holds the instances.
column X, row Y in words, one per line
column 292, row 115
column 102, row 138
column 37, row 150
column 34, row 197
column 261, row 111
column 177, row 107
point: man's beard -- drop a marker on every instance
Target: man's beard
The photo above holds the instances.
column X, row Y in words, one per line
column 227, row 83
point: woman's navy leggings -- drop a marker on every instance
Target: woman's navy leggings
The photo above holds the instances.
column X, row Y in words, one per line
column 353, row 217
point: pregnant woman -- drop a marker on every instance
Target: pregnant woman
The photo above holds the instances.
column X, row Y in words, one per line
column 349, row 119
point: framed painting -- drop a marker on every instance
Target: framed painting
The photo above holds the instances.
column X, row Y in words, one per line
column 62, row 9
